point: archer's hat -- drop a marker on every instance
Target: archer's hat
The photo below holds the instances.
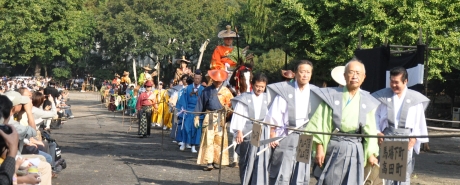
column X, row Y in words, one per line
column 228, row 33
column 125, row 73
column 182, row 59
column 149, row 83
column 218, row 74
column 337, row 75
column 147, row 68
column 116, row 75
column 288, row 74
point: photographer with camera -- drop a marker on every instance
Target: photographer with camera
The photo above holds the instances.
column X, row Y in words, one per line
column 9, row 139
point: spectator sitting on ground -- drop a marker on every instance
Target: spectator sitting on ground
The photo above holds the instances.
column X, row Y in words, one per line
column 37, row 110
column 34, row 145
column 8, row 166
column 26, row 132
column 62, row 104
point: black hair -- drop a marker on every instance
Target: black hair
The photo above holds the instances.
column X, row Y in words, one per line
column 261, row 77
column 5, row 107
column 184, row 76
column 303, row 62
column 398, row 71
column 189, row 80
column 46, row 103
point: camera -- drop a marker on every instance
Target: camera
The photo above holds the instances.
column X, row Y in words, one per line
column 7, row 130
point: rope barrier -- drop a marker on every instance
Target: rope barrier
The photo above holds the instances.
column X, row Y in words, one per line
column 326, row 133
column 227, row 109
column 440, row 120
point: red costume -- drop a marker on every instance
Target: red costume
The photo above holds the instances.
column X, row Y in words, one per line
column 219, row 58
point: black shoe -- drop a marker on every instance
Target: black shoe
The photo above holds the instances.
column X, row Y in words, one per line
column 234, row 165
column 216, row 166
column 209, row 167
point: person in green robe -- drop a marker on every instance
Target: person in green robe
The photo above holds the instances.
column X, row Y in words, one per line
column 132, row 101
column 349, row 109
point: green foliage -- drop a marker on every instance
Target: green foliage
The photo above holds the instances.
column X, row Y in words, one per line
column 327, row 31
column 43, row 31
column 103, row 74
column 271, row 64
column 62, row 73
column 157, row 28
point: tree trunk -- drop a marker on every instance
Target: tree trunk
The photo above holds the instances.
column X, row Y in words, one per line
column 46, row 72
column 38, row 69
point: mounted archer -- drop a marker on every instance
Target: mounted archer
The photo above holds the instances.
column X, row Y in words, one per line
column 183, row 69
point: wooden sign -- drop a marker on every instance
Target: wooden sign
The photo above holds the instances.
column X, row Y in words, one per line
column 303, row 153
column 256, row 133
column 393, row 160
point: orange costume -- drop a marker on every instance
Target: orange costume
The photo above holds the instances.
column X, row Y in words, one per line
column 219, row 58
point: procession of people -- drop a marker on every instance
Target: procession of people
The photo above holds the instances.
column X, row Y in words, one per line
column 198, row 114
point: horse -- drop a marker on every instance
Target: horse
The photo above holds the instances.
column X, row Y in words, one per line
column 241, row 78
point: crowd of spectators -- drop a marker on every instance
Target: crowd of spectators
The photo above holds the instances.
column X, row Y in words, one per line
column 27, row 109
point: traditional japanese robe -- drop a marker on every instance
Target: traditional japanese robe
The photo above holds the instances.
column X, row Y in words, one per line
column 253, row 168
column 219, row 58
column 125, row 79
column 179, row 73
column 173, row 98
column 144, row 108
column 124, row 82
column 143, row 77
column 345, row 156
column 132, row 102
column 116, row 82
column 177, row 127
column 161, row 99
column 212, row 99
column 188, row 101
column 402, row 116
column 289, row 108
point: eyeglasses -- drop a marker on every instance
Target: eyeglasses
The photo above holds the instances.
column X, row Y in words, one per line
column 353, row 73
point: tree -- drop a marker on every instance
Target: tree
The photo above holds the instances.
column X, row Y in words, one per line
column 167, row 29
column 42, row 32
column 327, row 31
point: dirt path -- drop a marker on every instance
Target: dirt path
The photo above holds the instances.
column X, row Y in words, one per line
column 99, row 150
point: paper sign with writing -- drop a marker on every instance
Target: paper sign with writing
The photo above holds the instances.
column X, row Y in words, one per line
column 393, row 160
column 304, row 148
column 256, row 133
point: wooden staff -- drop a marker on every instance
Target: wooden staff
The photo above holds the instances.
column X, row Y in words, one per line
column 224, row 130
column 237, row 48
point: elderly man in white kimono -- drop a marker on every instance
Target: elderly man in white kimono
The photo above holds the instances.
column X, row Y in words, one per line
column 291, row 107
column 402, row 113
column 253, row 168
column 341, row 159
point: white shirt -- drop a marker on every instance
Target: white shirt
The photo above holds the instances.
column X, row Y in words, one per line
column 415, row 120
column 397, row 102
column 278, row 112
column 238, row 121
column 195, row 87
